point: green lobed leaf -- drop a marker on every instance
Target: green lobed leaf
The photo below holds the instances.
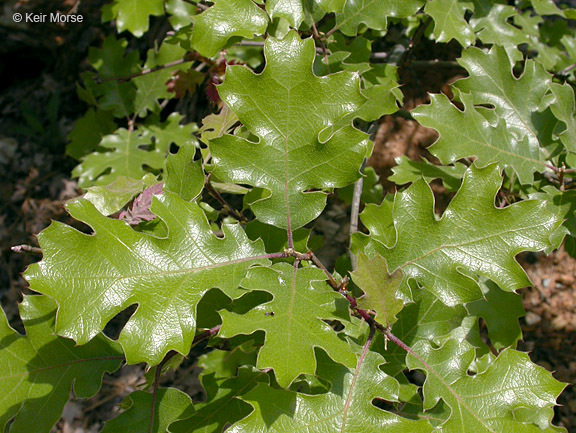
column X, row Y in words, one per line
column 516, row 100
column 480, row 133
column 445, row 255
column 286, row 107
column 226, row 19
column 111, row 62
column 222, row 406
column 347, row 408
column 124, row 157
column 492, row 23
column 39, row 369
column 564, row 109
column 501, row 311
column 133, row 153
column 491, row 401
column 94, row 277
column 180, row 12
column 150, row 88
column 379, row 287
column 449, row 20
column 408, row 171
column 88, row 132
column 133, row 15
column 292, row 320
column 184, row 176
column 373, row 13
column 111, row 198
column 171, row 405
column 428, row 319
column 216, row 125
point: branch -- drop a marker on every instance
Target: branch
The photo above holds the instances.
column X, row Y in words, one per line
column 229, row 209
column 405, row 58
column 26, row 249
column 322, row 46
column 157, row 375
column 355, row 213
column 147, row 71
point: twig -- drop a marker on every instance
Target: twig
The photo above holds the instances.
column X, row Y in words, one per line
column 405, row 58
column 157, row 375
column 144, row 71
column 202, row 6
column 322, row 46
column 565, row 71
column 320, row 265
column 206, row 334
column 231, row 211
column 365, row 350
column 358, row 186
column 26, row 249
column 201, row 337
column 558, row 170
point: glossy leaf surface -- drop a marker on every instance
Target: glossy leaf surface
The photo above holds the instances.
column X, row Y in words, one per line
column 287, row 107
column 94, row 277
column 133, row 15
column 478, row 132
column 373, row 13
column 495, row 400
column 435, row 252
column 516, row 100
column 226, row 19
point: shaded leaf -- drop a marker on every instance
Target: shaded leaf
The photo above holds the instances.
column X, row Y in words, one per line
column 563, row 108
column 171, row 405
column 216, row 125
column 113, row 62
column 124, row 156
column 133, row 153
column 408, row 171
column 150, row 88
column 222, row 406
column 111, row 198
column 183, row 82
column 184, row 176
column 347, row 408
column 88, row 131
column 95, row 277
column 40, row 369
column 501, row 311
